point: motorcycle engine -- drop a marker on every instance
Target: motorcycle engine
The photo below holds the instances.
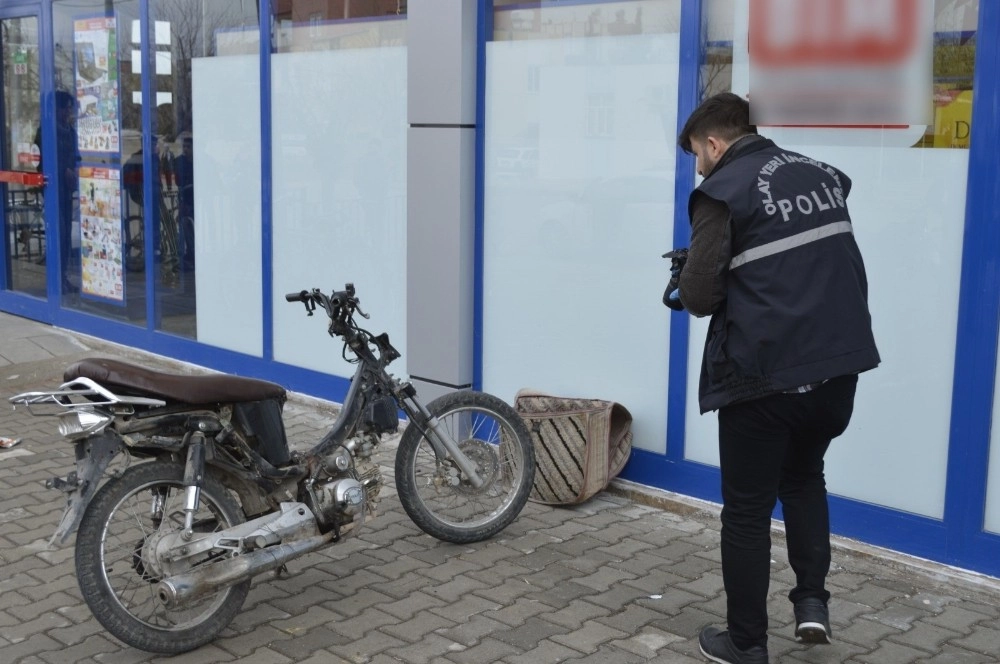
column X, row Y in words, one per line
column 347, row 494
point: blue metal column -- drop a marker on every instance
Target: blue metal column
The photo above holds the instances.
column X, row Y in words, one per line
column 150, row 164
column 688, row 97
column 978, row 317
column 265, row 18
column 485, row 34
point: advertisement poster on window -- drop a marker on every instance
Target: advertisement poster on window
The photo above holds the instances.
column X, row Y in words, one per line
column 95, row 58
column 824, row 74
column 101, row 233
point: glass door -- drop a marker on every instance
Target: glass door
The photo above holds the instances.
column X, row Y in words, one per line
column 21, row 191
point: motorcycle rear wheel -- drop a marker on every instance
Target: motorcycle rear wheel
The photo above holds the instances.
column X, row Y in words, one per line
column 113, row 578
column 438, row 498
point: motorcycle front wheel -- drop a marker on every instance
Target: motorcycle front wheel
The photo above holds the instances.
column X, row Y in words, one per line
column 116, row 581
column 438, row 497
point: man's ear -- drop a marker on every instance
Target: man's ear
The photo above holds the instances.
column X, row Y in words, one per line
column 715, row 145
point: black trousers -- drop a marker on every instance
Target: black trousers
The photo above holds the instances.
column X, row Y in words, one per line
column 772, row 448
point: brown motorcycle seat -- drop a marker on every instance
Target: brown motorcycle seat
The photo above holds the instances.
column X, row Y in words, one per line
column 136, row 380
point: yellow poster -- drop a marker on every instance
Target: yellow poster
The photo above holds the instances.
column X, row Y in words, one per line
column 953, row 120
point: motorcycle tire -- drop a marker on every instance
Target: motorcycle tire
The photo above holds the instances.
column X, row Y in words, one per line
column 433, row 491
column 112, row 575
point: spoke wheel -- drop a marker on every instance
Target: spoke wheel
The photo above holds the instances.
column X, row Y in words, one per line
column 118, row 572
column 434, row 492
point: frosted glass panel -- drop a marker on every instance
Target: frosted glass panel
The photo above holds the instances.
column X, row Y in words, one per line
column 579, row 182
column 339, row 191
column 993, row 481
column 226, row 121
column 908, row 208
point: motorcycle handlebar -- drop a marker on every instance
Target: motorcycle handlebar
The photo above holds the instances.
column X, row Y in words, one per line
column 339, row 305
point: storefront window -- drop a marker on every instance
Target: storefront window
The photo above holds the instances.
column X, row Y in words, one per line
column 23, row 218
column 907, row 206
column 96, row 116
column 339, row 127
column 579, row 163
column 119, row 239
column 206, row 132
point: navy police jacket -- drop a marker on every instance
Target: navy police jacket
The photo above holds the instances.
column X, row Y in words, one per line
column 796, row 308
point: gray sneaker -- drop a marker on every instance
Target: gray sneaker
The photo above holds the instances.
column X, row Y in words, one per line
column 812, row 621
column 719, row 647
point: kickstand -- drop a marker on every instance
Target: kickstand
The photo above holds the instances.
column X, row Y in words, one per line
column 283, row 573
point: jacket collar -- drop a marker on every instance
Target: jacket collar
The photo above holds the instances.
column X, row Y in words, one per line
column 743, row 146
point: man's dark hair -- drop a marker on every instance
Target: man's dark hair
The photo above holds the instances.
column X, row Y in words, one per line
column 725, row 116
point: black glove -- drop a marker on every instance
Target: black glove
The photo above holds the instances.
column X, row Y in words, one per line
column 671, row 296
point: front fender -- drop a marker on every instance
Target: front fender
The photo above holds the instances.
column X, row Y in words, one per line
column 92, row 458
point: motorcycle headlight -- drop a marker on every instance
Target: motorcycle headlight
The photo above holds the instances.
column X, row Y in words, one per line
column 82, row 423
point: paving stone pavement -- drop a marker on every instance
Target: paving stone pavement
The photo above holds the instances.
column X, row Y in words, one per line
column 629, row 576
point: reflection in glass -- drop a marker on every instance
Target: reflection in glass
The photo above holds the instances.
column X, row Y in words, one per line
column 558, row 19
column 189, row 41
column 306, row 25
column 93, row 70
column 136, row 212
column 24, row 234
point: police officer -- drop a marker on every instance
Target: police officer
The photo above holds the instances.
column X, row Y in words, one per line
column 774, row 261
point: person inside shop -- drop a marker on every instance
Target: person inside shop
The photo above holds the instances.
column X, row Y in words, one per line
column 184, row 174
column 133, row 170
column 67, row 159
column 773, row 260
column 133, row 181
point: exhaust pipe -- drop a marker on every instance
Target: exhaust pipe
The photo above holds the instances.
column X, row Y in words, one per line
column 178, row 590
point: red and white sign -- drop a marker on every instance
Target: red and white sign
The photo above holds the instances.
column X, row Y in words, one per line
column 28, row 155
column 841, row 62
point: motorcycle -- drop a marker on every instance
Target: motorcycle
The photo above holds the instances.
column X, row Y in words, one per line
column 166, row 549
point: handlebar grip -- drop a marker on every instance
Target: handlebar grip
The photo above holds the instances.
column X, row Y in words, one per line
column 301, row 296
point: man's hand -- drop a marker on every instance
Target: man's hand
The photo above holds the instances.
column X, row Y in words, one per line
column 671, row 296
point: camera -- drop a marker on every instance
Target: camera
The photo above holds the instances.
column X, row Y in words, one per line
column 671, row 296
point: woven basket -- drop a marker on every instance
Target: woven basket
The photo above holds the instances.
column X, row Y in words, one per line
column 580, row 444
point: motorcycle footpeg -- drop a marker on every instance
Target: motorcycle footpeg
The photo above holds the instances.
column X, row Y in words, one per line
column 69, row 483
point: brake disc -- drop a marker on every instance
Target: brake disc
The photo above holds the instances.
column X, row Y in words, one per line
column 487, row 463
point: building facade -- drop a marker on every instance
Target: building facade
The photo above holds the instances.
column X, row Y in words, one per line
column 499, row 180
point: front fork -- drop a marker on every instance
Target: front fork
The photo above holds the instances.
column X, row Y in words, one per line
column 441, row 441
